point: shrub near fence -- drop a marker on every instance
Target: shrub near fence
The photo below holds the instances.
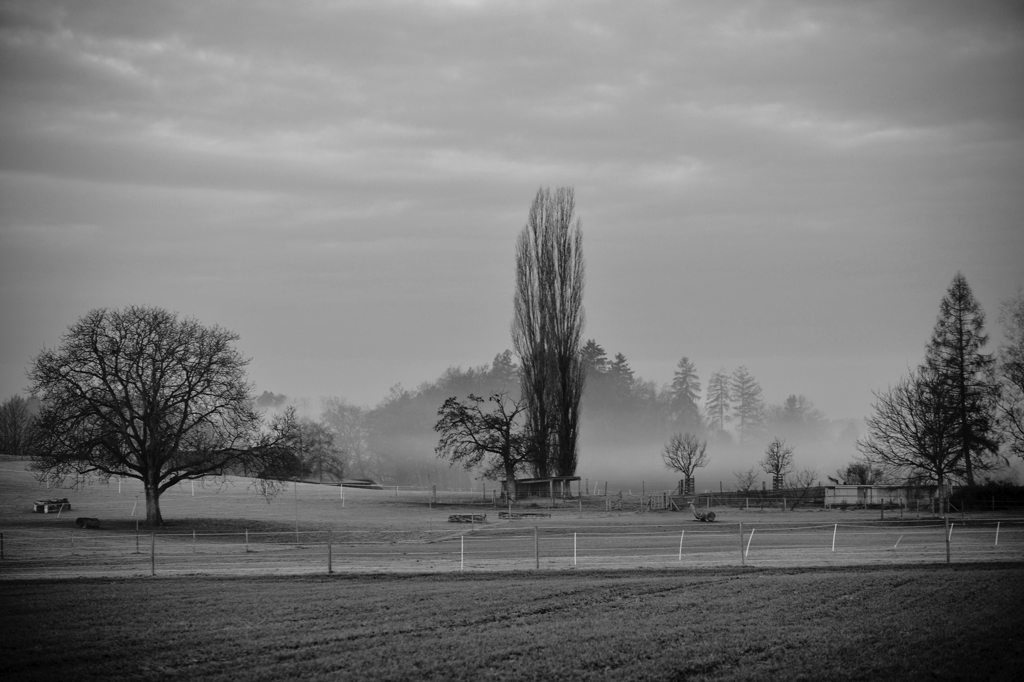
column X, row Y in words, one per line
column 989, row 497
column 763, row 499
column 510, row 548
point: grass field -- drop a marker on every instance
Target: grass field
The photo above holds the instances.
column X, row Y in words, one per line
column 232, row 530
column 907, row 623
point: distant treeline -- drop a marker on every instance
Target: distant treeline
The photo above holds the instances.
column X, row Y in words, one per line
column 393, row 443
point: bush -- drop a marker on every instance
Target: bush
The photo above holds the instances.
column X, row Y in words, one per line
column 992, row 494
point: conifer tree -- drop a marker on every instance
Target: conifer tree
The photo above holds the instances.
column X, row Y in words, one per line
column 748, row 404
column 954, row 357
column 719, row 400
column 595, row 360
column 621, row 376
column 685, row 396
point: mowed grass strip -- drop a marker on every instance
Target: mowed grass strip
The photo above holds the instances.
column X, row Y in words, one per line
column 907, row 623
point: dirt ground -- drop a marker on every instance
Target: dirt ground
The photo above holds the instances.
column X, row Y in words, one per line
column 860, row 623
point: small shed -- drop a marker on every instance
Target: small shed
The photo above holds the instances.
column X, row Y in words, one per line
column 871, row 495
column 552, row 486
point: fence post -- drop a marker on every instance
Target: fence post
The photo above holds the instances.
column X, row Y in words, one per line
column 743, row 559
column 2, row 543
column 948, row 532
column 330, row 568
column 834, row 531
column 152, row 554
column 536, row 547
column 2, row 540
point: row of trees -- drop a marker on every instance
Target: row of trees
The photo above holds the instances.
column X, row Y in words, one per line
column 142, row 393
column 395, row 440
column 959, row 414
column 686, row 452
column 617, row 401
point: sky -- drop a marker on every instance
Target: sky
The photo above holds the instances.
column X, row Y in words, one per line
column 789, row 186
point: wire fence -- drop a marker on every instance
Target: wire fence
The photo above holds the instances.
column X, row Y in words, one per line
column 81, row 552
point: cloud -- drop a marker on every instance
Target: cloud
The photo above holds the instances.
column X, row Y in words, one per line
column 759, row 172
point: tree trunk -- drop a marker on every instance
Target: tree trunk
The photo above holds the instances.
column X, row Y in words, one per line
column 510, row 482
column 153, row 517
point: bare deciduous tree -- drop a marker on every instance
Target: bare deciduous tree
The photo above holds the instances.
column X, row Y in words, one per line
column 315, row 447
column 802, row 485
column 1011, row 374
column 914, row 432
column 143, row 394
column 351, row 436
column 15, row 427
column 471, row 436
column 685, row 453
column 861, row 473
column 746, row 480
column 804, row 478
column 547, row 329
column 777, row 462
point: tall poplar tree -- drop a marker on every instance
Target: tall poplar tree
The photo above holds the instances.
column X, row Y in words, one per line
column 954, row 357
column 547, row 330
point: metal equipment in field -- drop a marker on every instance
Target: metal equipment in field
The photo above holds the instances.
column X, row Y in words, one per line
column 522, row 515
column 51, row 506
column 702, row 516
column 467, row 518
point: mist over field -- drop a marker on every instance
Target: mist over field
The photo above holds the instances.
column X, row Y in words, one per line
column 624, row 428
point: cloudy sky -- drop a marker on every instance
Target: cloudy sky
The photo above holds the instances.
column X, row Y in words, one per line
column 789, row 186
